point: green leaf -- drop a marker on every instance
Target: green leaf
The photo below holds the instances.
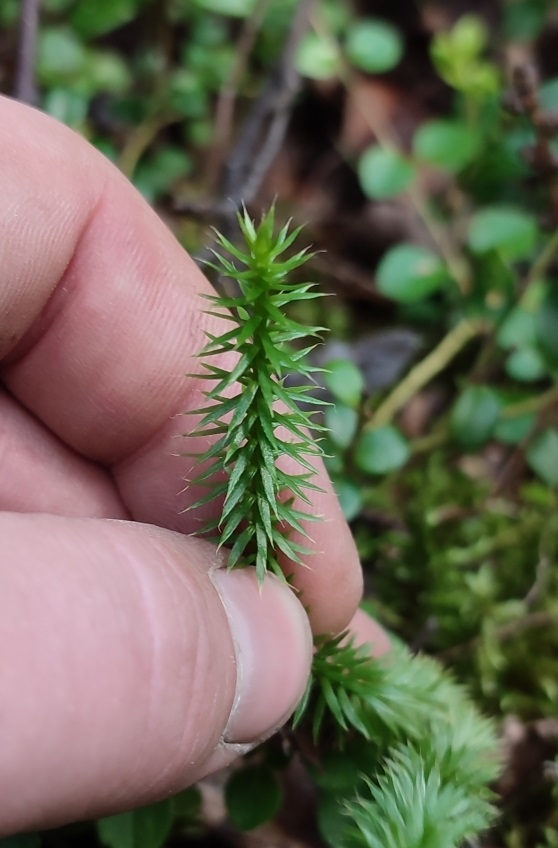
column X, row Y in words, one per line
column 339, row 770
column 469, row 36
column 546, row 325
column 57, row 7
column 9, row 13
column 232, row 8
column 157, row 174
column 253, row 796
column 342, row 423
column 106, row 71
column 345, row 381
column 69, row 107
column 507, row 229
column 147, row 827
column 511, row 431
column 457, row 58
column 188, row 804
column 526, row 365
column 384, row 173
column 409, row 273
column 474, row 416
column 451, row 145
column 542, row 456
column 523, row 20
column 518, row 329
column 373, row 45
column 350, row 497
column 381, row 450
column 62, row 56
column 318, row 57
column 93, row 19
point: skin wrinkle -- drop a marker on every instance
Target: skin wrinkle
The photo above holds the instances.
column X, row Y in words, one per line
column 38, row 322
column 186, row 680
column 56, row 301
column 148, row 625
column 39, row 474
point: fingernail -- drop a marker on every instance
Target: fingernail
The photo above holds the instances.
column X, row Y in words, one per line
column 273, row 646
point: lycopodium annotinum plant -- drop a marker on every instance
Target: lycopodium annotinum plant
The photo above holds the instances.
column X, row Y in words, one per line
column 412, row 757
column 255, row 418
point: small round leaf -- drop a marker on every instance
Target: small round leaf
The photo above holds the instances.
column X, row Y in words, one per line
column 69, row 107
column 448, row 144
column 384, row 173
column 381, row 450
column 526, row 365
column 102, row 16
column 504, row 228
column 409, row 272
column 188, row 804
column 342, row 423
column 542, row 456
column 374, row 45
column 345, row 381
column 317, row 58
column 253, row 796
column 474, row 416
column 233, row 8
column 511, row 431
column 146, row 827
column 517, row 329
column 350, row 498
column 469, row 36
column 62, row 56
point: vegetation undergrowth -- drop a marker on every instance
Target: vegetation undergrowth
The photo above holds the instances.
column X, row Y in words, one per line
column 430, row 755
column 422, row 151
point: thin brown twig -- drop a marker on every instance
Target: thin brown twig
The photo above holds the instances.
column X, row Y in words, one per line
column 226, row 101
column 265, row 129
column 544, row 405
column 259, row 142
column 524, row 100
column 25, row 88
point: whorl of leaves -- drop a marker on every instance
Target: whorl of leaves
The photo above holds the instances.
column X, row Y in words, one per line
column 436, row 754
column 412, row 804
column 253, row 417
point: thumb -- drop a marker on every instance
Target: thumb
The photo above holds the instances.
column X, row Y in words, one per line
column 131, row 665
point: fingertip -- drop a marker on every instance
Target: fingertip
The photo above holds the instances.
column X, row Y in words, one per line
column 273, row 646
column 367, row 631
column 133, row 666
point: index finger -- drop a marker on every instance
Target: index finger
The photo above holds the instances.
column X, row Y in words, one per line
column 101, row 319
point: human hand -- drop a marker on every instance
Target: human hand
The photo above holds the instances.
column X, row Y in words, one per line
column 131, row 664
